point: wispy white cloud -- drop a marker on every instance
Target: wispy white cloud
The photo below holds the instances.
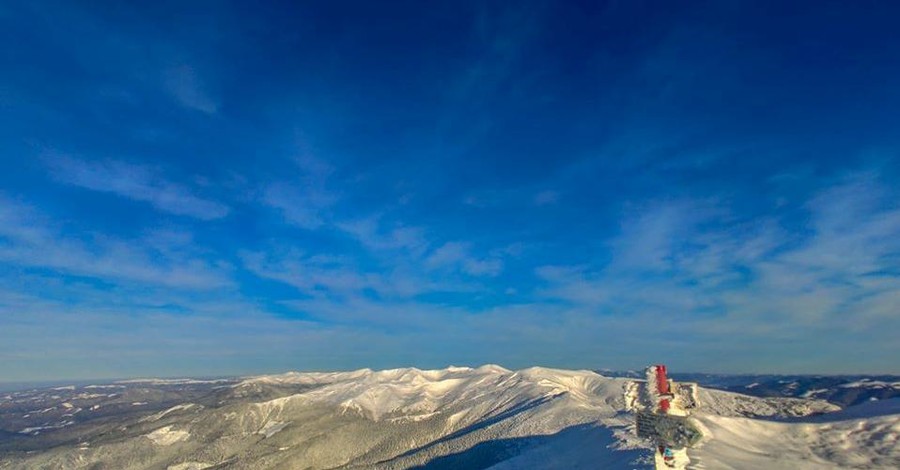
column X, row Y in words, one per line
column 483, row 267
column 301, row 205
column 856, row 228
column 457, row 255
column 341, row 279
column 488, row 198
column 112, row 331
column 750, row 278
column 312, row 274
column 546, row 197
column 30, row 239
column 652, row 237
column 183, row 83
column 401, row 259
column 509, row 198
column 382, row 237
column 305, row 200
column 742, row 288
column 136, row 182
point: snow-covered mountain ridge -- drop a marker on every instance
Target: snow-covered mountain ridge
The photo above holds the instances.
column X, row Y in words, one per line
column 410, row 391
column 458, row 417
column 842, row 390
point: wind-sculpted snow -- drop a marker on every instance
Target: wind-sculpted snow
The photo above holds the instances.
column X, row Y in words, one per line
column 458, row 417
column 734, row 404
column 840, row 440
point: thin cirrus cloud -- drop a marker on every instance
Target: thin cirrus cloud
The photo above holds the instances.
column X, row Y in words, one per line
column 457, row 255
column 301, row 205
column 411, row 248
column 403, row 259
column 305, row 201
column 386, row 239
column 312, row 274
column 183, row 83
column 136, row 182
column 397, row 276
column 31, row 240
column 749, row 278
column 546, row 197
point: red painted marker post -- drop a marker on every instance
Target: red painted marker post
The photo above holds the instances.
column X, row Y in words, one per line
column 662, row 382
column 662, row 385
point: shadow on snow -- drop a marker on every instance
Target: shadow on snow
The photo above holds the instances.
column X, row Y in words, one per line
column 580, row 446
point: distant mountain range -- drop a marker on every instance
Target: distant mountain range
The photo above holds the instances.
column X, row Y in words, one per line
column 455, row 418
column 842, row 390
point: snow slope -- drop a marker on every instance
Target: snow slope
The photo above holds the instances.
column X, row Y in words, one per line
column 458, row 418
column 847, row 439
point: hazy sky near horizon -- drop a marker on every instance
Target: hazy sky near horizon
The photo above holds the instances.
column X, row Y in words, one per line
column 204, row 188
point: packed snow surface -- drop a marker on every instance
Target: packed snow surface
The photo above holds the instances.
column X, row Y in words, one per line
column 864, row 436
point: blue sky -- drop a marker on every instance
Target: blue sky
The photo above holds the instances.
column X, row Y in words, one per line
column 197, row 188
